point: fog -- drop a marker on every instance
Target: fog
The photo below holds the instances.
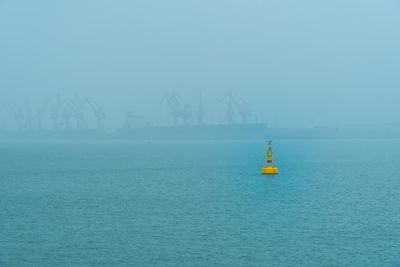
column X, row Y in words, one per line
column 295, row 63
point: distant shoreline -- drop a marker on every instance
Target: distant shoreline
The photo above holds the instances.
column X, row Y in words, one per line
column 205, row 132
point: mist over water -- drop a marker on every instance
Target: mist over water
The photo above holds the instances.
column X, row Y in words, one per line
column 296, row 63
column 133, row 133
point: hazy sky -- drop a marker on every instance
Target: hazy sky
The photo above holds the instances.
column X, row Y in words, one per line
column 297, row 63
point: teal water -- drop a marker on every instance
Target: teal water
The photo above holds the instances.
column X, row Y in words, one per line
column 334, row 203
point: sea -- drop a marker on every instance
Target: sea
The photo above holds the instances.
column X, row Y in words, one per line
column 200, row 203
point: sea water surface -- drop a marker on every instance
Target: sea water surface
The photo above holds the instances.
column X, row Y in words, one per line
column 334, row 203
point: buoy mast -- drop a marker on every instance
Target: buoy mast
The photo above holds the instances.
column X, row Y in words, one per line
column 270, row 167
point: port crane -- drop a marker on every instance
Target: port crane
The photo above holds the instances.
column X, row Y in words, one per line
column 77, row 111
column 243, row 110
column 66, row 115
column 18, row 115
column 39, row 114
column 173, row 104
column 177, row 110
column 98, row 113
column 236, row 105
column 186, row 114
column 230, row 111
column 55, row 110
column 29, row 116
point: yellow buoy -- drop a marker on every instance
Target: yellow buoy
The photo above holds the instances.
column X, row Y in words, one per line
column 270, row 168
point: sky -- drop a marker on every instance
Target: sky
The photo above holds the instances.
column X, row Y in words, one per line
column 295, row 63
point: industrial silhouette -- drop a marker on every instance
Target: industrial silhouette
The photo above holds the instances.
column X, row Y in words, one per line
column 77, row 116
